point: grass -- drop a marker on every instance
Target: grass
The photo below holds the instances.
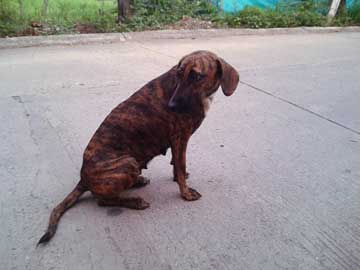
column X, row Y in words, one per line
column 62, row 16
column 154, row 14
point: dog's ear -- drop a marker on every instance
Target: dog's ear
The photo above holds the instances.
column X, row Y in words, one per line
column 229, row 77
column 180, row 62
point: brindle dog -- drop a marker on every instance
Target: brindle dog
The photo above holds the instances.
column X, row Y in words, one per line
column 162, row 114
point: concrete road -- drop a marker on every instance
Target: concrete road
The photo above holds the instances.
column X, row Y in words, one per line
column 278, row 163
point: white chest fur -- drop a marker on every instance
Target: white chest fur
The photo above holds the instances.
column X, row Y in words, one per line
column 207, row 102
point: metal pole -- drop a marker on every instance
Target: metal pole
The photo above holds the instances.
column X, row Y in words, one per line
column 333, row 9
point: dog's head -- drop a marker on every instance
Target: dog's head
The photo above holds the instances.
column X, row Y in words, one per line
column 198, row 76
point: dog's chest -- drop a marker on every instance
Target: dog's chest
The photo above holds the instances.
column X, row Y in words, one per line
column 207, row 102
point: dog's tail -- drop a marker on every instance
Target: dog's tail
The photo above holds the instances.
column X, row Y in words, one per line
column 59, row 210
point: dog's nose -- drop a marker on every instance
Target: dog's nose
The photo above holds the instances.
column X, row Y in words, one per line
column 172, row 105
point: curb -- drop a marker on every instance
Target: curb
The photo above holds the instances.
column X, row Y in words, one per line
column 80, row 39
column 60, row 40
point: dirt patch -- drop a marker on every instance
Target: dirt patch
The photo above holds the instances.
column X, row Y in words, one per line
column 189, row 24
column 39, row 29
column 85, row 28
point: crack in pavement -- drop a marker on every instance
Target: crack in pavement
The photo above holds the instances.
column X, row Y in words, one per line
column 62, row 141
column 300, row 107
column 32, row 134
column 152, row 50
column 27, row 116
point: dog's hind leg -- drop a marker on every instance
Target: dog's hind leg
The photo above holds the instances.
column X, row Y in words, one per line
column 137, row 203
column 113, row 176
column 141, row 181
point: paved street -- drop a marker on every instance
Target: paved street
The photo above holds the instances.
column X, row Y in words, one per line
column 277, row 163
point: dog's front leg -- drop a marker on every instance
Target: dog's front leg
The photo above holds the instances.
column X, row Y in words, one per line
column 178, row 150
column 187, row 174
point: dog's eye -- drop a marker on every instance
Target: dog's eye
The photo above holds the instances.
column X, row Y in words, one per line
column 180, row 72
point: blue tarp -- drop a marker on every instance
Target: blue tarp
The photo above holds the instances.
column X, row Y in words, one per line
column 236, row 5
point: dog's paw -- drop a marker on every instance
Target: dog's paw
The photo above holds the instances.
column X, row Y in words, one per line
column 191, row 195
column 141, row 204
column 187, row 175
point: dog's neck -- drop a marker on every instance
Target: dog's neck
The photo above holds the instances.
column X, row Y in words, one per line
column 206, row 102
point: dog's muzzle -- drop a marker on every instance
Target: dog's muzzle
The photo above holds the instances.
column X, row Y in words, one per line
column 172, row 105
column 179, row 104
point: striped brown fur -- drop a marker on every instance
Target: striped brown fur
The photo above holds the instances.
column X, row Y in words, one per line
column 163, row 114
